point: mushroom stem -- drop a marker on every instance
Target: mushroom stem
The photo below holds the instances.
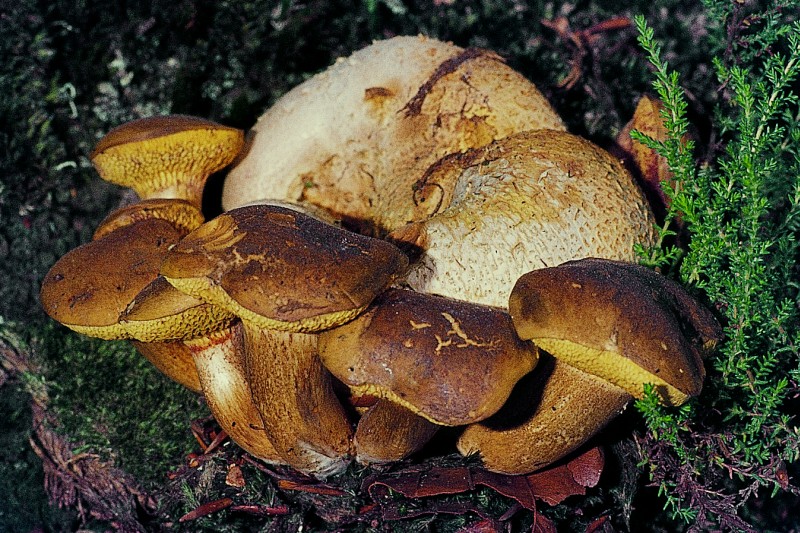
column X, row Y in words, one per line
column 389, row 432
column 173, row 359
column 294, row 394
column 530, row 433
column 220, row 368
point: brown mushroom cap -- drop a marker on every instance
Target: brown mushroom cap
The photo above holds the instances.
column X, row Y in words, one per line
column 89, row 287
column 449, row 361
column 619, row 321
column 160, row 312
column 183, row 215
column 166, row 156
column 280, row 269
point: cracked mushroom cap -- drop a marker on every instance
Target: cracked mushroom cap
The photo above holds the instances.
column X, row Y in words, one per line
column 168, row 156
column 280, row 269
column 618, row 321
column 400, row 105
column 532, row 200
column 448, row 361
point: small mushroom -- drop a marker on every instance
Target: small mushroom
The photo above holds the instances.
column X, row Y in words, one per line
column 183, row 215
column 164, row 317
column 450, row 362
column 389, row 432
column 89, row 287
column 287, row 275
column 166, row 156
column 611, row 327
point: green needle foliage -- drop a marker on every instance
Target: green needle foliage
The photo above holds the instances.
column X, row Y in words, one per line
column 741, row 212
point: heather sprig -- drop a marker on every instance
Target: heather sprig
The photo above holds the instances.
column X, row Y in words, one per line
column 740, row 210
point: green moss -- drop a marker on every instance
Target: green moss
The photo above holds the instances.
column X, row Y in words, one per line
column 112, row 401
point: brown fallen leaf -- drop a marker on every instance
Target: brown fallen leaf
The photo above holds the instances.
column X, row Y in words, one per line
column 261, row 510
column 551, row 485
column 598, row 524
column 542, row 524
column 235, row 478
column 400, row 510
column 650, row 168
column 313, row 488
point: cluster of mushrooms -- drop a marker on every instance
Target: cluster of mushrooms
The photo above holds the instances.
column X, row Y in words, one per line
column 410, row 240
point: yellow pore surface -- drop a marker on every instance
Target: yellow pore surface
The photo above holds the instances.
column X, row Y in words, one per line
column 612, row 367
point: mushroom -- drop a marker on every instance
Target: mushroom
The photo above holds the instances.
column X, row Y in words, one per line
column 166, row 156
column 532, row 200
column 450, row 362
column 287, row 275
column 611, row 327
column 183, row 215
column 173, row 359
column 461, row 162
column 89, row 287
column 355, row 138
column 388, row 432
column 172, row 321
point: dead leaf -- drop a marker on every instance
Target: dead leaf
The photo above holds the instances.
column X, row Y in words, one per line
column 206, row 509
column 598, row 524
column 313, row 488
column 542, row 524
column 235, row 478
column 587, row 467
column 401, row 510
column 551, row 485
column 650, row 168
column 261, row 510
